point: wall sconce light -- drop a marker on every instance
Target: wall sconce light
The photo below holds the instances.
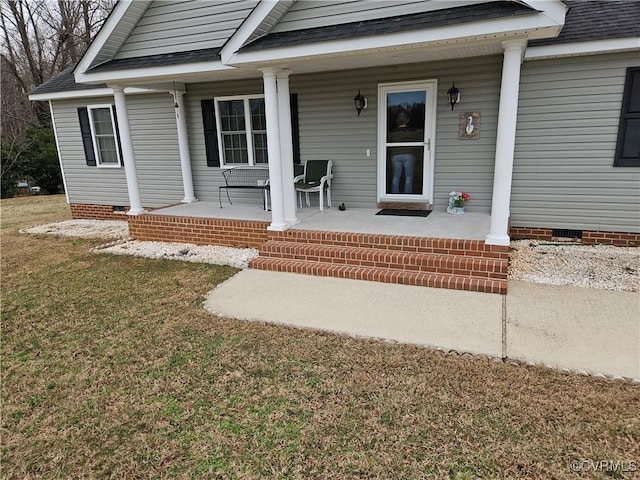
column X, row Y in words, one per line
column 360, row 101
column 454, row 95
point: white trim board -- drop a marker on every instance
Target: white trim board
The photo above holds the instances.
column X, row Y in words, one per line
column 582, row 48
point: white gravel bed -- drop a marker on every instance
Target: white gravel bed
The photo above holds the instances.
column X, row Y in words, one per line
column 116, row 229
column 188, row 252
column 595, row 266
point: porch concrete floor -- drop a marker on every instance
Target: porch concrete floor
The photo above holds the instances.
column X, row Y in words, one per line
column 439, row 224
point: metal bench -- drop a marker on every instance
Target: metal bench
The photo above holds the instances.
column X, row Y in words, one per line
column 245, row 176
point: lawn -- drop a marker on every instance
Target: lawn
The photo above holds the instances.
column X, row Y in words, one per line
column 111, row 368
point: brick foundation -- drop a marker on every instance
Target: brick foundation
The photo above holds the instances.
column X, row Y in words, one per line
column 198, row 230
column 96, row 212
column 620, row 239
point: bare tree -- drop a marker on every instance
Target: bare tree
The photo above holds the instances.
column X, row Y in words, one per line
column 39, row 39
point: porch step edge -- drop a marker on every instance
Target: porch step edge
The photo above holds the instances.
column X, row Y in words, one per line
column 394, row 259
column 477, row 248
column 384, row 275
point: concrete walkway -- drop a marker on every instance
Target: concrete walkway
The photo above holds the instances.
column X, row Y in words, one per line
column 596, row 331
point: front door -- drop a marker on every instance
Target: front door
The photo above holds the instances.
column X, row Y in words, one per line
column 406, row 133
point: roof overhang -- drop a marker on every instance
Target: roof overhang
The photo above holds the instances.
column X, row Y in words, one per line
column 533, row 26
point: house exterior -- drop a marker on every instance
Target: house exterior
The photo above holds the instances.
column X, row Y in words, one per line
column 544, row 137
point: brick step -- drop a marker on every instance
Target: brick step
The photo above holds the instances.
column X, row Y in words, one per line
column 459, row 265
column 377, row 274
column 444, row 246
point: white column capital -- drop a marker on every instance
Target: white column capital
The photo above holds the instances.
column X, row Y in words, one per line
column 269, row 71
column 516, row 47
column 177, row 93
column 283, row 74
column 515, row 43
column 117, row 88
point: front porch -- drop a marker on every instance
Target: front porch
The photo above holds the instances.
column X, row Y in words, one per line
column 439, row 224
column 441, row 250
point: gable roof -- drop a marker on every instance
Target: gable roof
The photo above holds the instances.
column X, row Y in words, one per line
column 402, row 23
column 589, row 20
column 586, row 21
column 114, row 31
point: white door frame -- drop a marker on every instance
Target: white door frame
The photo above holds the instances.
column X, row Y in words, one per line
column 431, row 87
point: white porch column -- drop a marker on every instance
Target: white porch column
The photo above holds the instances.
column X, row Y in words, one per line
column 183, row 145
column 505, row 142
column 273, row 149
column 135, row 205
column 286, row 147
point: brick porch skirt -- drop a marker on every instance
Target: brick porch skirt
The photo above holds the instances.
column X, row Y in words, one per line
column 434, row 262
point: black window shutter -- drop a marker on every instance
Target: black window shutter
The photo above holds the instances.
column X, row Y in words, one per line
column 210, row 133
column 87, row 141
column 115, row 121
column 628, row 144
column 295, row 129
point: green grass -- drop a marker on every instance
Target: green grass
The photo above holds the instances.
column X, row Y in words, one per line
column 111, row 368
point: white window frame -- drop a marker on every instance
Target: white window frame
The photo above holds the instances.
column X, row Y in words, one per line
column 248, row 130
column 96, row 148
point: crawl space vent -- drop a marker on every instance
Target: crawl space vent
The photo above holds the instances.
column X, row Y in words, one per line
column 566, row 233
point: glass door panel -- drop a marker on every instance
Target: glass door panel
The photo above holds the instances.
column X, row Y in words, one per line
column 405, row 131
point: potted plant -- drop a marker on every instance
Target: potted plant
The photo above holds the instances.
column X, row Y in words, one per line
column 456, row 202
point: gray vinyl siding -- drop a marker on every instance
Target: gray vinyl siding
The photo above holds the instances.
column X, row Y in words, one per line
column 310, row 14
column 155, row 145
column 206, row 180
column 93, row 185
column 568, row 117
column 330, row 129
column 178, row 26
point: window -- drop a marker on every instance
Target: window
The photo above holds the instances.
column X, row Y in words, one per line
column 254, row 104
column 243, row 130
column 103, row 131
column 628, row 146
column 100, row 140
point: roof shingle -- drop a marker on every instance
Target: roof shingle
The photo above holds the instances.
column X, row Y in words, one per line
column 589, row 20
column 402, row 23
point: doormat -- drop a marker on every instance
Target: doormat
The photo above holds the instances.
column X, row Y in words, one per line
column 404, row 212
